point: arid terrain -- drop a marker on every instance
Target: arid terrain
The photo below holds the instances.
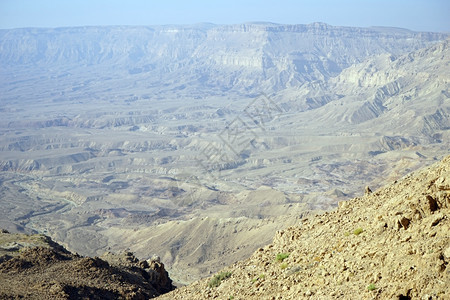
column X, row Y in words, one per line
column 392, row 243
column 197, row 143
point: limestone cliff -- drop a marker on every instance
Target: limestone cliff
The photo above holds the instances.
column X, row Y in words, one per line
column 245, row 58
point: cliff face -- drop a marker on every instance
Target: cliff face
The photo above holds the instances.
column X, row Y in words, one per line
column 245, row 57
column 384, row 90
column 33, row 266
column 390, row 244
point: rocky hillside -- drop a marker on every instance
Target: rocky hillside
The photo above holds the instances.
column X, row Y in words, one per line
column 393, row 243
column 33, row 266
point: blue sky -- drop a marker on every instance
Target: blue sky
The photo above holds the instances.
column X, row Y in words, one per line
column 420, row 15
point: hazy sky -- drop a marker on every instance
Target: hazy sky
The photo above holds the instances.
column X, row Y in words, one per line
column 423, row 15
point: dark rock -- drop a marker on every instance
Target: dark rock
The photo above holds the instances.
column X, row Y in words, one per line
column 404, row 222
column 432, row 203
column 51, row 272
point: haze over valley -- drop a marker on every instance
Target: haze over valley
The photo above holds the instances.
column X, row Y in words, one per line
column 198, row 142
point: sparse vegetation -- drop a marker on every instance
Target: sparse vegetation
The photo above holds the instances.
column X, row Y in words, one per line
column 260, row 277
column 217, row 279
column 283, row 266
column 371, row 287
column 282, row 256
column 358, row 231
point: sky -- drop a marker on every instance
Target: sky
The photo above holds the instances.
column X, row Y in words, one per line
column 419, row 15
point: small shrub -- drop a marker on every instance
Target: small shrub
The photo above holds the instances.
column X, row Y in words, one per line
column 260, row 277
column 282, row 256
column 283, row 266
column 217, row 280
column 371, row 287
column 358, row 231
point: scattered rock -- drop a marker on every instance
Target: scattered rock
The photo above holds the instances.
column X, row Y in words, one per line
column 436, row 219
column 447, row 253
column 432, row 203
column 155, row 258
column 404, row 222
column 51, row 272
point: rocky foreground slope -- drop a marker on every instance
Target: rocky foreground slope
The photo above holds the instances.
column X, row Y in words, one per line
column 34, row 267
column 393, row 243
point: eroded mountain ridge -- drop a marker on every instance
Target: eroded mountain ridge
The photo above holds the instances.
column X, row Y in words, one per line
column 119, row 136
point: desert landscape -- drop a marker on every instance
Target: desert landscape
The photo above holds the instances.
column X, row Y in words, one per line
column 392, row 243
column 197, row 143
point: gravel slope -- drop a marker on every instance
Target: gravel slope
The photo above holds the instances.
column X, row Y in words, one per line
column 393, row 243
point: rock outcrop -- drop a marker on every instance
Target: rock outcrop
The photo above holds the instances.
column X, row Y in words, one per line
column 33, row 266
